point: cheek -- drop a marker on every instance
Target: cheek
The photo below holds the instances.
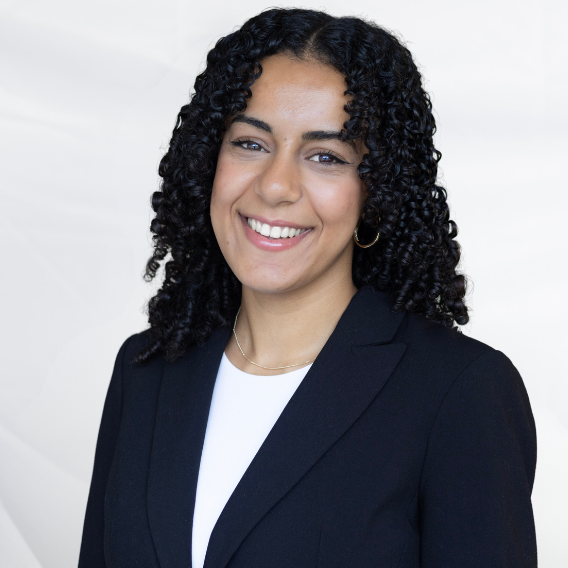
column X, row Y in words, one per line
column 224, row 193
column 230, row 183
column 339, row 205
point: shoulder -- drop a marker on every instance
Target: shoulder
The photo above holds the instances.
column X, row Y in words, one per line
column 474, row 396
column 128, row 369
column 447, row 351
column 483, row 414
column 458, row 369
column 434, row 338
column 131, row 346
column 480, row 451
column 135, row 343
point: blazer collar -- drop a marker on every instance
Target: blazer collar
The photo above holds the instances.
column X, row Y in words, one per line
column 347, row 375
column 369, row 318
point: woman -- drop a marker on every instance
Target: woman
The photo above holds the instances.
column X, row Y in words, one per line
column 302, row 397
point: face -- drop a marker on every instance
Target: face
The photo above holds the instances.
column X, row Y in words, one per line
column 286, row 195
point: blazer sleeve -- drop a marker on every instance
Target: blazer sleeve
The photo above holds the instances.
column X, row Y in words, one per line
column 92, row 544
column 478, row 474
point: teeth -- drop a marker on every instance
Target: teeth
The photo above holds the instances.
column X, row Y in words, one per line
column 273, row 232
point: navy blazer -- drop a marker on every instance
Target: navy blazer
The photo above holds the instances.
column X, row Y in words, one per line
column 406, row 445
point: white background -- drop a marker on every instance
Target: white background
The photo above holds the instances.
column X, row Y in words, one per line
column 89, row 95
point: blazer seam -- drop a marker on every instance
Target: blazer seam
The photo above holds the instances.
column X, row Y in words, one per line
column 150, row 532
column 105, row 526
column 450, row 388
column 347, row 336
column 405, row 544
column 319, row 547
column 127, row 344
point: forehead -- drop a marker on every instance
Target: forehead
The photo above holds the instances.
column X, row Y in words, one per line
column 295, row 91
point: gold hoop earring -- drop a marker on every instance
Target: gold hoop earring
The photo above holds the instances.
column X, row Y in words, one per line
column 356, row 239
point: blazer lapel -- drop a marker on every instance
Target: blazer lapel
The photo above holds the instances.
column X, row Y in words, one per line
column 347, row 375
column 181, row 421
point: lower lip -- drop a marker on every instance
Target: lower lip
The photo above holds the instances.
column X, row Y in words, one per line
column 266, row 243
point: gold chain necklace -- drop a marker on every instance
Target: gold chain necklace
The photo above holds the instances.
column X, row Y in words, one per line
column 262, row 366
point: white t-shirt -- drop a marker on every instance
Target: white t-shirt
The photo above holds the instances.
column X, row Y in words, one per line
column 244, row 408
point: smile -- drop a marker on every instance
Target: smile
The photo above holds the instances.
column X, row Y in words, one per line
column 274, row 231
column 278, row 236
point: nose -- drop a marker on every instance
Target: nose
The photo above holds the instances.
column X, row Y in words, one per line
column 280, row 180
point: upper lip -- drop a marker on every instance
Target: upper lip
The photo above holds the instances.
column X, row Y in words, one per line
column 275, row 222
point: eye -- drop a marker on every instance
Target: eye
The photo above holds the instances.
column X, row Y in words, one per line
column 326, row 158
column 248, row 145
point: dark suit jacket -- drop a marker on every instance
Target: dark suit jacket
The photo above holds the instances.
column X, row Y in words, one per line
column 407, row 444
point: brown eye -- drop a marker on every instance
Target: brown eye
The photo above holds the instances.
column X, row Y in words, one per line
column 326, row 158
column 251, row 146
column 248, row 145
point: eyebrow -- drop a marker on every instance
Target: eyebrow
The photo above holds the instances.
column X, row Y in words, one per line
column 327, row 135
column 260, row 124
column 307, row 136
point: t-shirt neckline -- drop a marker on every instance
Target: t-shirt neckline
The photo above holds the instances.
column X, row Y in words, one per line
column 293, row 373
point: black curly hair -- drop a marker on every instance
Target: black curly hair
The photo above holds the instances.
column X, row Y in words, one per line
column 416, row 256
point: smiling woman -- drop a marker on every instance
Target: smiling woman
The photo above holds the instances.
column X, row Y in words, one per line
column 302, row 396
column 283, row 168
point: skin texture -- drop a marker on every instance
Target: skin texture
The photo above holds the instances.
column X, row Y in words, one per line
column 293, row 298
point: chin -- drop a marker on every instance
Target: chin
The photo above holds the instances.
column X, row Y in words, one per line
column 272, row 283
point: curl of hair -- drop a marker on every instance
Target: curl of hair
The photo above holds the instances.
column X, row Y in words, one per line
column 416, row 256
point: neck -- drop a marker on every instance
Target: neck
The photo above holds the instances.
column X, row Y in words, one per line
column 279, row 329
